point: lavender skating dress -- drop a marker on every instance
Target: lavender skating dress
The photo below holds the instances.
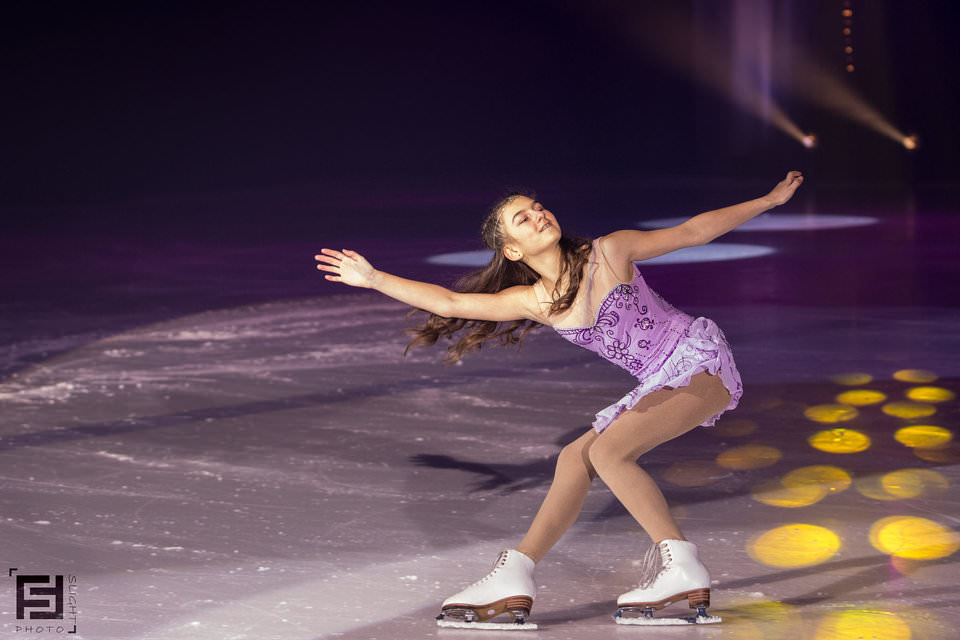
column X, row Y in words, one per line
column 636, row 329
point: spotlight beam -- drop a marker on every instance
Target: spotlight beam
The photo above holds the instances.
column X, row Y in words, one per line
column 664, row 33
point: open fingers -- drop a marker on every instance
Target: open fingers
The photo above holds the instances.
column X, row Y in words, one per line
column 334, row 261
column 332, row 269
column 326, row 254
column 331, row 255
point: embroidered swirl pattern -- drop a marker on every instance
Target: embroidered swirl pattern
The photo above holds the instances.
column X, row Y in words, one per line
column 636, row 329
column 620, row 347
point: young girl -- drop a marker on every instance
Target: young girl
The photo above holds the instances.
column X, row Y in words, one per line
column 592, row 294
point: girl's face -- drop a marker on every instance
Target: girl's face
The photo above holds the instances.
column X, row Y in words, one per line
column 529, row 227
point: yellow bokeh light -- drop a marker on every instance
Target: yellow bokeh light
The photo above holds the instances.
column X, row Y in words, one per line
column 794, row 545
column 860, row 624
column 909, row 410
column 733, row 428
column 840, row 441
column 861, row 397
column 802, row 487
column 776, row 494
column 921, row 376
column 831, row 413
column 761, row 620
column 924, row 436
column 852, row 379
column 913, row 538
column 910, row 483
column 694, row 473
column 930, row 394
column 832, row 479
column 872, row 487
column 749, row 456
column 901, row 484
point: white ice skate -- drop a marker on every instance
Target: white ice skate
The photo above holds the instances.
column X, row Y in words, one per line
column 671, row 572
column 508, row 589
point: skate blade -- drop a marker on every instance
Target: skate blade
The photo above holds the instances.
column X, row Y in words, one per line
column 496, row 626
column 655, row 622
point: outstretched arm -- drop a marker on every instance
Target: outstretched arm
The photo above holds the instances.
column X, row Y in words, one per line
column 712, row 224
column 641, row 245
column 353, row 269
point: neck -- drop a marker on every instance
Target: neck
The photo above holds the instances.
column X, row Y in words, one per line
column 547, row 264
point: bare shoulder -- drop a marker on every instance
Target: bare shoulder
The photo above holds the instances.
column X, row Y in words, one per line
column 616, row 247
column 525, row 298
column 529, row 301
column 629, row 245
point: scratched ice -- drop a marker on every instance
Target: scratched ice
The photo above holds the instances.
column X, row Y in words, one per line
column 281, row 470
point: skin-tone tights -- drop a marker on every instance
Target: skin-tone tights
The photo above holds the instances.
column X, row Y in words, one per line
column 612, row 455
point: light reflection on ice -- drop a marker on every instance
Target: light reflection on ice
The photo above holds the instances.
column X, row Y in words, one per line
column 203, row 348
column 336, row 601
column 276, row 475
column 45, row 393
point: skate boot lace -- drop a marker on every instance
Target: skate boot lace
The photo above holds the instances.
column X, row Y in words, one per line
column 501, row 560
column 654, row 563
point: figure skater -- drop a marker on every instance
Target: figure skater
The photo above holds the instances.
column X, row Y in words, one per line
column 590, row 292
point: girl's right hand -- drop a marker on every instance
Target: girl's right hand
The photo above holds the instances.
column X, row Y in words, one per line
column 349, row 266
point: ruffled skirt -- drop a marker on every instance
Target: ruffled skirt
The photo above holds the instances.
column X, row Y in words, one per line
column 703, row 347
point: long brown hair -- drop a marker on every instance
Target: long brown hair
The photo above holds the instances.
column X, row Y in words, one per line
column 501, row 273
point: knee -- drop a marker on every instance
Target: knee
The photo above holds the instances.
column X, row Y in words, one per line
column 573, row 458
column 604, row 455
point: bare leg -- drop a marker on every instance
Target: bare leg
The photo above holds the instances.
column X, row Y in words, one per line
column 658, row 417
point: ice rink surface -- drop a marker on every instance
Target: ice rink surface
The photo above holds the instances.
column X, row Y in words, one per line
column 274, row 467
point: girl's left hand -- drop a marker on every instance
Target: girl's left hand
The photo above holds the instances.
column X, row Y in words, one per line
column 784, row 189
